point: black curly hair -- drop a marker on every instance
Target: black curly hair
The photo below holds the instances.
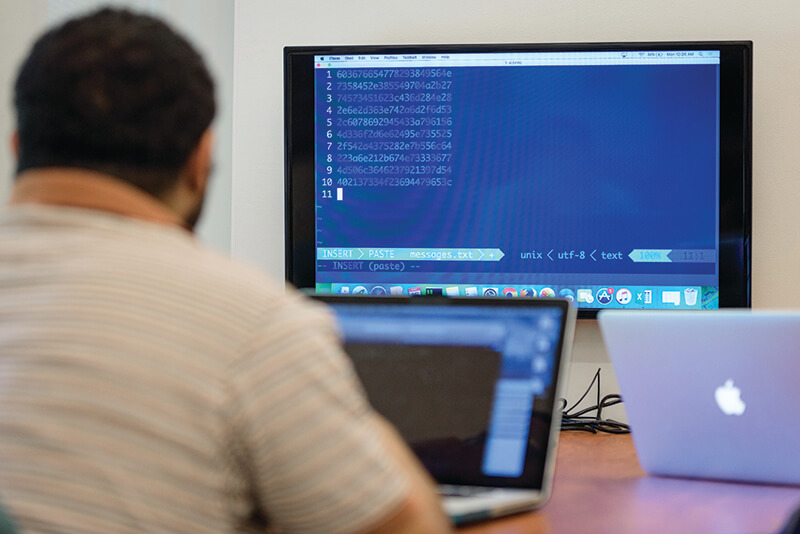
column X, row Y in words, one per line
column 116, row 92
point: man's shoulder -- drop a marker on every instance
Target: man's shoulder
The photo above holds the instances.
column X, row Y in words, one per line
column 219, row 281
column 212, row 275
column 110, row 249
column 228, row 271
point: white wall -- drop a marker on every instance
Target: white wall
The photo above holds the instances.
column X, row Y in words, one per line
column 19, row 22
column 208, row 24
column 262, row 29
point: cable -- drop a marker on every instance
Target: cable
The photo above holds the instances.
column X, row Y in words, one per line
column 580, row 421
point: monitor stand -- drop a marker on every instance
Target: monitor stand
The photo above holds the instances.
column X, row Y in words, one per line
column 588, row 355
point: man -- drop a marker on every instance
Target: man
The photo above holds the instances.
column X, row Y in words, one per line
column 148, row 384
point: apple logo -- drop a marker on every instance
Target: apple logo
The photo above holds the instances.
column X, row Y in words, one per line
column 729, row 399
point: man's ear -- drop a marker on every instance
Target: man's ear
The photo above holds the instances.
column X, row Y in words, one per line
column 198, row 166
column 15, row 144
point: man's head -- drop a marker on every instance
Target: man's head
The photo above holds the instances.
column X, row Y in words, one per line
column 117, row 93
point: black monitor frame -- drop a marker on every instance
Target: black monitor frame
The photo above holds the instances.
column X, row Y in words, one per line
column 735, row 151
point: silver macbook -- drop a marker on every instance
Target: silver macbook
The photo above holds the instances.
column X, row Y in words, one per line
column 472, row 386
column 710, row 394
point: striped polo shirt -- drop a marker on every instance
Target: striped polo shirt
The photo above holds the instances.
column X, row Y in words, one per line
column 149, row 385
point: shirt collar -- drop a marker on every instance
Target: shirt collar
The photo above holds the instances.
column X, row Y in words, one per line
column 80, row 188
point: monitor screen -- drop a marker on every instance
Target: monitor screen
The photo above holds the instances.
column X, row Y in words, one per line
column 614, row 175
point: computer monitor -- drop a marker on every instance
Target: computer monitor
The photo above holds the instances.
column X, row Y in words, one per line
column 615, row 175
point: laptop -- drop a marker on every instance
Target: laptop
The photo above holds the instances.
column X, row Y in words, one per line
column 471, row 384
column 710, row 394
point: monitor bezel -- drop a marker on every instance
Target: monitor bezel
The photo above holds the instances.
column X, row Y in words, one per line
column 735, row 156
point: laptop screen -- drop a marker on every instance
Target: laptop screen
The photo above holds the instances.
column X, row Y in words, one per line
column 470, row 384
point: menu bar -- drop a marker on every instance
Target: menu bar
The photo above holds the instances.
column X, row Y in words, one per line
column 510, row 59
